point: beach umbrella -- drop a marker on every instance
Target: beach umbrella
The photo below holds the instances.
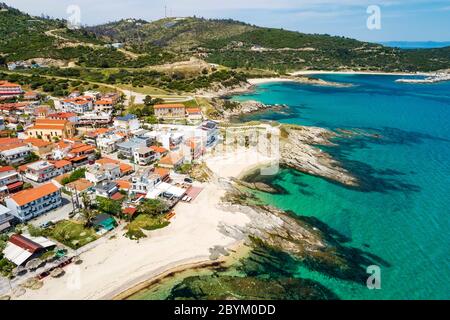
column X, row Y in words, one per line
column 57, row 272
column 37, row 285
column 77, row 260
column 30, row 283
column 34, row 264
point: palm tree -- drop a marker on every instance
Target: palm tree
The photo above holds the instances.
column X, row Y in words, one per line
column 88, row 216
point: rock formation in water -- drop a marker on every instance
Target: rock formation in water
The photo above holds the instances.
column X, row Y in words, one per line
column 249, row 288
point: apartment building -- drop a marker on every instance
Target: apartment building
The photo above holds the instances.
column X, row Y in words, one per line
column 31, row 203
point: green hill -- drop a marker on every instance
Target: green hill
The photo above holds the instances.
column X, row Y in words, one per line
column 24, row 37
column 226, row 42
column 236, row 44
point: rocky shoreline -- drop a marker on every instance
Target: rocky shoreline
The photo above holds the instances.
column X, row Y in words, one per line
column 298, row 151
column 274, row 234
column 217, row 90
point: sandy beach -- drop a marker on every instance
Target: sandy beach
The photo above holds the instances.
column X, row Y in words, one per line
column 120, row 263
column 311, row 72
column 257, row 81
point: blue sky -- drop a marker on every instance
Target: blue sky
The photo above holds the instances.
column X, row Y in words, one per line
column 401, row 20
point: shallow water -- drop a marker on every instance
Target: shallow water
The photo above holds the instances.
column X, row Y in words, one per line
column 402, row 211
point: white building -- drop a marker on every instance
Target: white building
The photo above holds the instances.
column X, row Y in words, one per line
column 15, row 155
column 108, row 143
column 34, row 202
column 129, row 122
column 103, row 172
column 144, row 181
column 78, row 105
column 41, row 171
column 95, row 118
column 144, row 156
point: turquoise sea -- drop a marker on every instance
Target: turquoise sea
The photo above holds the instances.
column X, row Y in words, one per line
column 401, row 213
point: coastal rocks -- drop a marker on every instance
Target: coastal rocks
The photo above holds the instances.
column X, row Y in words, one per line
column 260, row 186
column 234, row 108
column 297, row 151
column 249, row 288
column 308, row 240
column 320, row 82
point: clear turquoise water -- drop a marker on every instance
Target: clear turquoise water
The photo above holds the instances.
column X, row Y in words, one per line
column 402, row 211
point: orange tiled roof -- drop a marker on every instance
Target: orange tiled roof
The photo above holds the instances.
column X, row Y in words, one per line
column 123, row 184
column 61, row 163
column 193, row 110
column 103, row 102
column 26, row 196
column 98, row 132
column 80, row 184
column 10, row 146
column 82, row 148
column 37, row 142
column 158, row 149
column 8, row 84
column 65, row 115
column 129, row 211
column 6, row 168
column 124, row 168
column 162, row 172
column 171, row 159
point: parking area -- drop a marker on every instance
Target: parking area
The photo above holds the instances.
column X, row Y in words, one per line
column 55, row 215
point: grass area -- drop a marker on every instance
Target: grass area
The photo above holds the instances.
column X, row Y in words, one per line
column 71, row 233
column 144, row 222
column 144, row 90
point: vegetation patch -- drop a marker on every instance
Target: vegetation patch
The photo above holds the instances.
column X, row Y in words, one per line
column 71, row 233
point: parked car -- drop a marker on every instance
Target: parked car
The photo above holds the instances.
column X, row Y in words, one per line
column 46, row 225
column 188, row 180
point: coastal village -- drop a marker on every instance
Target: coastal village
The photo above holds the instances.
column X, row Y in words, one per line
column 77, row 169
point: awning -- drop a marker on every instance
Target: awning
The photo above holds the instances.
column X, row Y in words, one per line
column 15, row 185
column 16, row 254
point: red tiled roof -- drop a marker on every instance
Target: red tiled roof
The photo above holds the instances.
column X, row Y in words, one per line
column 24, row 243
column 15, row 185
column 117, row 196
column 6, row 168
column 130, row 211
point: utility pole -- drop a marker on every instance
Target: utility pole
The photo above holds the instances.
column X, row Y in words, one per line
column 165, row 11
